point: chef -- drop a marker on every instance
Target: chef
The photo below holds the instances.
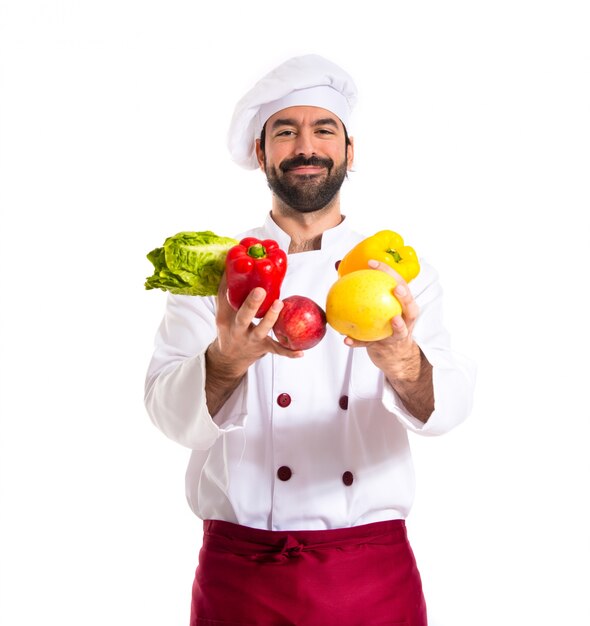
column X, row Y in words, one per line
column 300, row 464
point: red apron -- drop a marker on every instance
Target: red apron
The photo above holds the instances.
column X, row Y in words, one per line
column 360, row 576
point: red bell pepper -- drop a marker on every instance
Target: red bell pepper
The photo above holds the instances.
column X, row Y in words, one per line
column 255, row 263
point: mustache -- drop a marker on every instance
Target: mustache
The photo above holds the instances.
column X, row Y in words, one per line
column 301, row 161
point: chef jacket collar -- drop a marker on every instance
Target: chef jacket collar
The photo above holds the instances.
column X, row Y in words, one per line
column 329, row 237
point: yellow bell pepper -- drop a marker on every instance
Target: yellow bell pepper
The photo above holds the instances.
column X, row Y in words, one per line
column 387, row 247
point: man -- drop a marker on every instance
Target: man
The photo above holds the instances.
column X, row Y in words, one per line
column 300, row 462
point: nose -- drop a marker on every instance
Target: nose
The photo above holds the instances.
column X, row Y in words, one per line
column 304, row 144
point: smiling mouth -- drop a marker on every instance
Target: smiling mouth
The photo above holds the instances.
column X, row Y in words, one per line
column 302, row 166
column 306, row 170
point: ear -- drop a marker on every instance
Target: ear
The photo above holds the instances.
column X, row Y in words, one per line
column 350, row 153
column 259, row 155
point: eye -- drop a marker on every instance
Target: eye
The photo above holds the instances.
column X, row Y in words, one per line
column 325, row 131
column 285, row 133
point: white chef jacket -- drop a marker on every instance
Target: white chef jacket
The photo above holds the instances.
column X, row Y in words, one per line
column 317, row 442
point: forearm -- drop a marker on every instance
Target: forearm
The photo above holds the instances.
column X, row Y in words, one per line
column 222, row 378
column 411, row 378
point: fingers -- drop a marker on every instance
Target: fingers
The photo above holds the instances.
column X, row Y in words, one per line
column 400, row 328
column 223, row 307
column 402, row 325
column 222, row 289
column 383, row 267
column 249, row 308
column 355, row 343
column 400, row 332
column 262, row 331
column 268, row 321
column 403, row 294
column 244, row 333
column 410, row 309
column 281, row 350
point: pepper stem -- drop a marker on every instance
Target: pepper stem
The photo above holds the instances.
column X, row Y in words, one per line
column 397, row 257
column 257, row 251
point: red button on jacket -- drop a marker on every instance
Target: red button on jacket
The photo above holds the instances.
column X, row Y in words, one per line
column 284, row 399
column 347, row 478
column 284, row 473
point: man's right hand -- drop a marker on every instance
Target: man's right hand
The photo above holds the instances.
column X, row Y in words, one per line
column 239, row 343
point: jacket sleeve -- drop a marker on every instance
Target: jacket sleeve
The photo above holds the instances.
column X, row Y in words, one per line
column 175, row 383
column 453, row 374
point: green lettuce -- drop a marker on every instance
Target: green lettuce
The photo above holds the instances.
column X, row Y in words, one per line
column 190, row 263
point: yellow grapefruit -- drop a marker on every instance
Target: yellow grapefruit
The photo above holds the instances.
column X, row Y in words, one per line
column 361, row 305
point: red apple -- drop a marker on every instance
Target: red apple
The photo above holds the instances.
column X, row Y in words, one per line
column 301, row 323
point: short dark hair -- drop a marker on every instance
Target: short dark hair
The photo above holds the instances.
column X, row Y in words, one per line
column 263, row 138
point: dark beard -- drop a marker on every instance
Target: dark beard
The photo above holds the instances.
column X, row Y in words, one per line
column 310, row 193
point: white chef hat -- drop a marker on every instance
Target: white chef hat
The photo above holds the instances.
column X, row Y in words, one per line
column 308, row 80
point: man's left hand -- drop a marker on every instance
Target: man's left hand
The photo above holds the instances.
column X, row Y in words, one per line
column 394, row 353
column 399, row 356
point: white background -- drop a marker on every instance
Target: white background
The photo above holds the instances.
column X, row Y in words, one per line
column 472, row 134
